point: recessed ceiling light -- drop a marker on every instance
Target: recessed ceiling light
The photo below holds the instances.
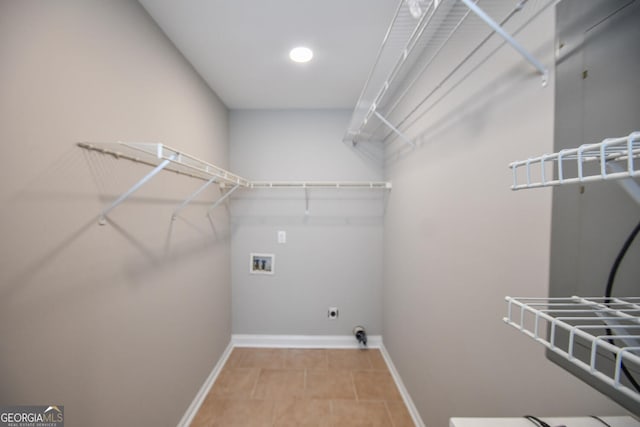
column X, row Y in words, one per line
column 301, row 54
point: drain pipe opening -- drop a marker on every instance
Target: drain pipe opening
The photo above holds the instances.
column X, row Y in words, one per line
column 360, row 335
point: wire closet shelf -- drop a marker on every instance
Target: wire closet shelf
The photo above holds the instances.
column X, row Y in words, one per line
column 585, row 331
column 162, row 157
column 439, row 36
column 610, row 159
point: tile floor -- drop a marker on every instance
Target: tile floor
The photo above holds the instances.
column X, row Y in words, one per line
column 303, row 387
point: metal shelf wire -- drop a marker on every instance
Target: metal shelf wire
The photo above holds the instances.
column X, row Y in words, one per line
column 600, row 336
column 611, row 159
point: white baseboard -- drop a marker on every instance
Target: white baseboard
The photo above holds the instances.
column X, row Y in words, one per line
column 192, row 410
column 299, row 341
column 411, row 407
column 303, row 341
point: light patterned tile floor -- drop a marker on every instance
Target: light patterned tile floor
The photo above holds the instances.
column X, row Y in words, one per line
column 303, row 388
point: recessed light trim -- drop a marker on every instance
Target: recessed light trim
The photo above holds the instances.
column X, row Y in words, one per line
column 301, row 54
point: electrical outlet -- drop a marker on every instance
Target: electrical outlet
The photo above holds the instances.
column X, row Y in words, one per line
column 332, row 313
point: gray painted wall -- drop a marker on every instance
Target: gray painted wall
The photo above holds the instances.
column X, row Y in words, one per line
column 333, row 255
column 120, row 323
column 458, row 240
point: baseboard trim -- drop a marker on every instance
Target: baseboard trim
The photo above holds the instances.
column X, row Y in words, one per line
column 192, row 410
column 299, row 341
column 303, row 341
column 406, row 397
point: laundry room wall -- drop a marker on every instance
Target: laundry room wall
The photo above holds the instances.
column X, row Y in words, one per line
column 120, row 323
column 458, row 240
column 333, row 253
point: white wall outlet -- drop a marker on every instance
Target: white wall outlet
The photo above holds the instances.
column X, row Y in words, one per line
column 282, row 236
column 332, row 313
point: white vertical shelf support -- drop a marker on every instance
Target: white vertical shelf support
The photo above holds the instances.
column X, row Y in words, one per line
column 629, row 185
column 306, row 201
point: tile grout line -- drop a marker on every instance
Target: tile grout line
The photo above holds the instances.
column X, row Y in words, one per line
column 386, row 406
column 353, row 383
column 255, row 384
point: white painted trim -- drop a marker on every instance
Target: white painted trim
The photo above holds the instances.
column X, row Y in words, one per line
column 192, row 410
column 411, row 407
column 303, row 341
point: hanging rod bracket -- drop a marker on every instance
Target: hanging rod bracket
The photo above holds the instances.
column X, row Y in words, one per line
column 306, row 201
column 191, row 197
column 135, row 187
column 509, row 39
column 394, row 129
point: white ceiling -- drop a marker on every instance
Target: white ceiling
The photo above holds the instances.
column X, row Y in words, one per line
column 241, row 47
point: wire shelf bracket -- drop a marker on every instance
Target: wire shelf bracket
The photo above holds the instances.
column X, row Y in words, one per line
column 191, row 197
column 102, row 219
column 544, row 72
column 592, row 323
column 222, row 198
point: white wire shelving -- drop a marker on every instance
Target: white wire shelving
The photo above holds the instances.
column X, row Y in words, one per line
column 162, row 157
column 600, row 336
column 610, row 159
column 416, row 41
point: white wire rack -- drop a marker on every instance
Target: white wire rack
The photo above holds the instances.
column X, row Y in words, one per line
column 153, row 154
column 415, row 42
column 162, row 157
column 613, row 158
column 600, row 336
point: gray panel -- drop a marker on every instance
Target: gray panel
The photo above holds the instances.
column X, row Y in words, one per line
column 597, row 96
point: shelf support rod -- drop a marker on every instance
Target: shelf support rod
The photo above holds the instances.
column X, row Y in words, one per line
column 223, row 198
column 509, row 39
column 191, row 197
column 134, row 188
column 394, row 129
column 306, row 201
column 628, row 184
